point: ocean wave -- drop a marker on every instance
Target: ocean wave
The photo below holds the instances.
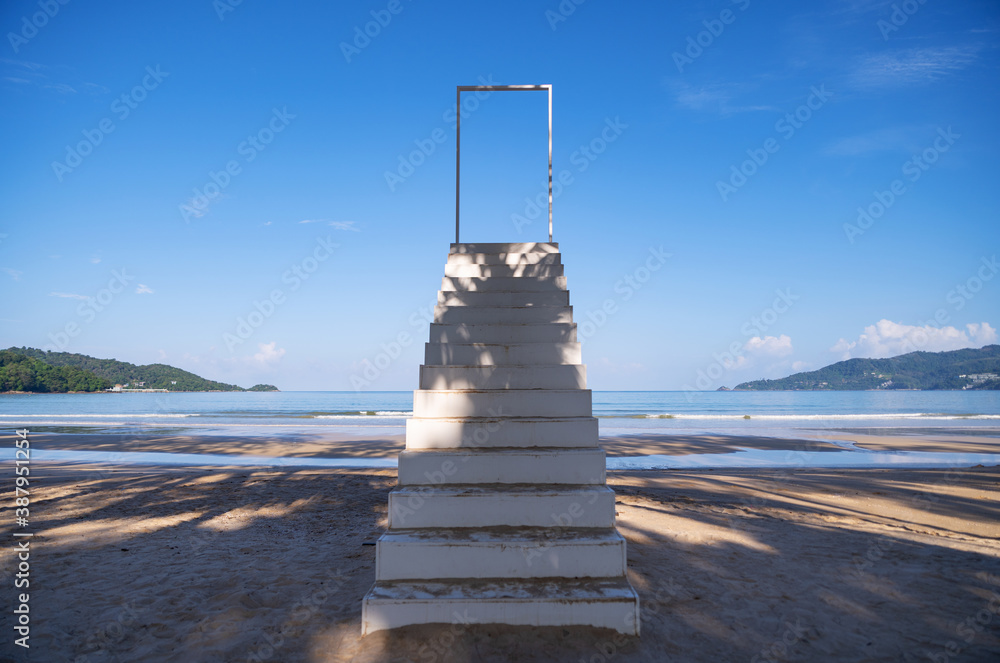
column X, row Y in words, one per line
column 365, row 414
column 287, row 414
column 106, row 416
column 923, row 416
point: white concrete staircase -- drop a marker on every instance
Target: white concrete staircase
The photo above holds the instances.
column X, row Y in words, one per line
column 502, row 514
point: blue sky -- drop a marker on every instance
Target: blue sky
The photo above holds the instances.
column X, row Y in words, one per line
column 751, row 188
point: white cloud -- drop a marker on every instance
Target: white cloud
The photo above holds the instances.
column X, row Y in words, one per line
column 269, row 353
column 339, row 225
column 887, row 339
column 68, row 295
column 233, row 369
column 701, row 98
column 759, row 350
column 894, row 139
column 95, row 259
column 22, row 63
column 266, row 223
column 713, row 98
column 31, row 73
column 143, row 289
column 911, row 66
column 799, row 366
column 771, row 346
column 862, row 7
column 94, row 88
column 12, row 273
column 981, row 333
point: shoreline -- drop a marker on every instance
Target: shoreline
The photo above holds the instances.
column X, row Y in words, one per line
column 141, row 391
column 647, row 452
column 331, row 444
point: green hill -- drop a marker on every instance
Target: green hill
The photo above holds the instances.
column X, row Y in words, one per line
column 112, row 372
column 19, row 372
column 956, row 369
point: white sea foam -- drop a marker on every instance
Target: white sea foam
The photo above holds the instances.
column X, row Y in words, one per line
column 923, row 416
column 378, row 414
column 105, row 416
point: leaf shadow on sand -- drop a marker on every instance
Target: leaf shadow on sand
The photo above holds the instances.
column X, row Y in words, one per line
column 264, row 564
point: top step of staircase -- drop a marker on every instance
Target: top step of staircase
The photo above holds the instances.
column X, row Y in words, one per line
column 499, row 248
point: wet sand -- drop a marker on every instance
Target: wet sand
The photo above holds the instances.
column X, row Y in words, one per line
column 339, row 445
column 931, row 442
column 306, row 445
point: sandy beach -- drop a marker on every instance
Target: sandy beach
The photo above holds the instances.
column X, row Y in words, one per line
column 339, row 445
column 145, row 563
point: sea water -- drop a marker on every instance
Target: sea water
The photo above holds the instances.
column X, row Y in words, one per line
column 774, row 413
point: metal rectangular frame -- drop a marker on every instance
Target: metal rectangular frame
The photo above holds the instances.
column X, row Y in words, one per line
column 458, row 137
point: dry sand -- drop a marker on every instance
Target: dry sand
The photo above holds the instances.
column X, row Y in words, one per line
column 244, row 564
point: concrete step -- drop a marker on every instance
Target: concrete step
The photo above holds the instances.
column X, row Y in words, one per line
column 502, row 513
column 502, row 465
column 457, row 403
column 500, row 432
column 604, row 603
column 505, row 247
column 503, row 283
column 538, row 376
column 504, row 259
column 459, row 298
column 551, row 332
column 501, row 505
column 441, row 554
column 520, row 271
column 485, row 354
column 502, row 315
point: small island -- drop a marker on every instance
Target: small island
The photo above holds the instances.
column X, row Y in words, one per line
column 29, row 370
